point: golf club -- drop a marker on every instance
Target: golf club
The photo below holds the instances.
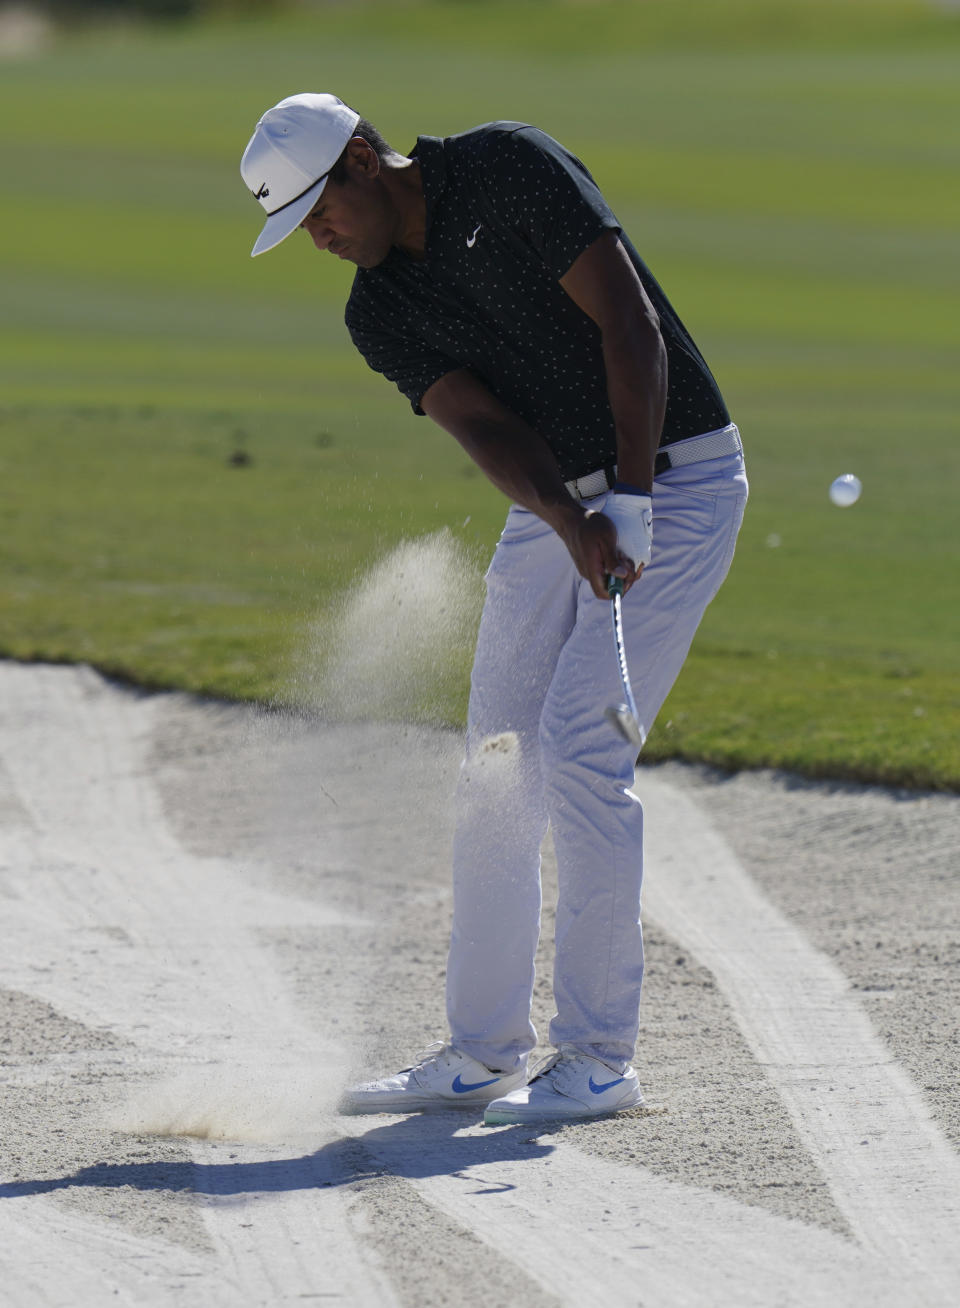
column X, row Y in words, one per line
column 623, row 717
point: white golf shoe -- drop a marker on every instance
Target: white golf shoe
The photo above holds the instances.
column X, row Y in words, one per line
column 569, row 1085
column 442, row 1078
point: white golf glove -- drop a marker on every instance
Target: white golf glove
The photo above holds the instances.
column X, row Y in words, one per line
column 632, row 515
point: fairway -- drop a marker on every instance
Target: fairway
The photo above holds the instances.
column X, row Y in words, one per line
column 196, row 468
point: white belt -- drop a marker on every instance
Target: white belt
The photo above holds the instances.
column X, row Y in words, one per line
column 697, row 449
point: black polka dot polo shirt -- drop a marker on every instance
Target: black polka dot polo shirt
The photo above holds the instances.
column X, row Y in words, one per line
column 509, row 210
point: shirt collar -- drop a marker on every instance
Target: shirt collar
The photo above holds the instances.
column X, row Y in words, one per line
column 429, row 154
column 433, row 172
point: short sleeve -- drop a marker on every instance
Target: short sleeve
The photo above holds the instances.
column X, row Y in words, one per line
column 544, row 193
column 412, row 365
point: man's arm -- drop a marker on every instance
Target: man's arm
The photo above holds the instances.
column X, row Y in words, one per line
column 604, row 284
column 516, row 458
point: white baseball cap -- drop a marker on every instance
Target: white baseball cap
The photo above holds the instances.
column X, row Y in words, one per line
column 289, row 157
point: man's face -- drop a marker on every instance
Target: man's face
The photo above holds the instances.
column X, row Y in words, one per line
column 353, row 221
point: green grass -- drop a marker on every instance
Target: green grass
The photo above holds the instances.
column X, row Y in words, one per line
column 157, row 558
column 788, row 171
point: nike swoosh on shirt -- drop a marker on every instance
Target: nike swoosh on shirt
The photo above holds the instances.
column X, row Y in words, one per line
column 472, row 240
column 460, row 1088
column 607, row 1085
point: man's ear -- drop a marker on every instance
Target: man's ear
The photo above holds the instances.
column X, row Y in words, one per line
column 362, row 157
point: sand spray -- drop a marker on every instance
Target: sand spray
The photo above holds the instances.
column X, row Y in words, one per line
column 253, row 1104
column 395, row 647
column 397, row 644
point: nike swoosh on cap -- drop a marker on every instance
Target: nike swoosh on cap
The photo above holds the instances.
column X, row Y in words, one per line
column 607, row 1085
column 459, row 1088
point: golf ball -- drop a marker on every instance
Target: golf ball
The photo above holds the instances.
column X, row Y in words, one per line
column 845, row 490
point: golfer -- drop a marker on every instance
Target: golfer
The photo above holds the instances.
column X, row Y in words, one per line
column 498, row 291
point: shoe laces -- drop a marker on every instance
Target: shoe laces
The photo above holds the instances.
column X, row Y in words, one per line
column 558, row 1066
column 437, row 1054
column 546, row 1066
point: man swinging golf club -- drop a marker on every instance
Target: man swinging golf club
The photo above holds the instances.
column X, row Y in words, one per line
column 498, row 291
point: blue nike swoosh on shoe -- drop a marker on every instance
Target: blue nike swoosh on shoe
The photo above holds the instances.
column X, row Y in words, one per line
column 607, row 1085
column 460, row 1089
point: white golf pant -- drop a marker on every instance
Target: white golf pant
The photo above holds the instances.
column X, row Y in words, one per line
column 545, row 669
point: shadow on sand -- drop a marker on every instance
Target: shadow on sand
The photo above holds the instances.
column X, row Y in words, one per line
column 422, row 1145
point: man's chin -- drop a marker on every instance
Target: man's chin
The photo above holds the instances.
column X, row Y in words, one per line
column 362, row 258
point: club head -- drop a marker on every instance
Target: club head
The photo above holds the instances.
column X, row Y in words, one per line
column 620, row 717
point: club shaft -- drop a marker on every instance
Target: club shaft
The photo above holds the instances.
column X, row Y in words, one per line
column 617, row 617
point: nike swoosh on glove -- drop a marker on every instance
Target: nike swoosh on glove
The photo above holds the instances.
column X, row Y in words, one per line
column 632, row 515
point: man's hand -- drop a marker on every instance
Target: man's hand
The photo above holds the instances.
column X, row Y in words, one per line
column 632, row 515
column 593, row 545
